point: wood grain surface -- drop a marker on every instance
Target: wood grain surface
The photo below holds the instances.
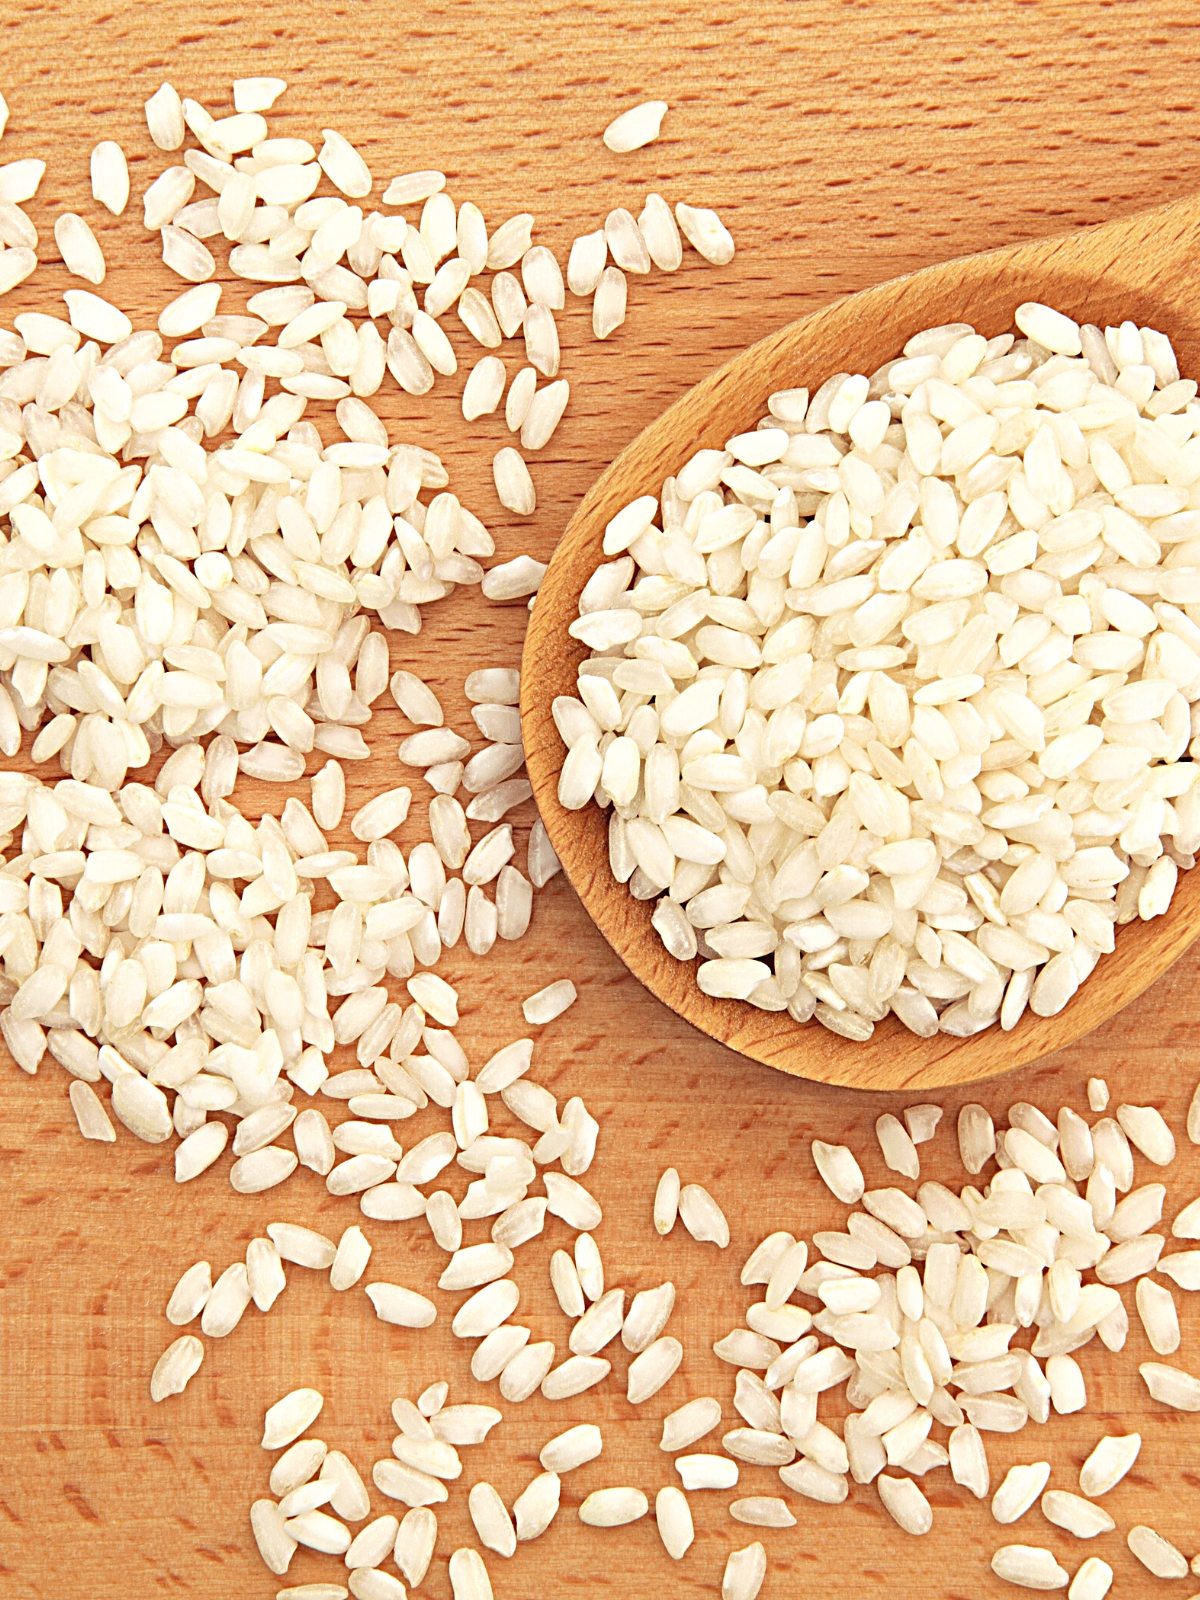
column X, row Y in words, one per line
column 1143, row 267
column 844, row 144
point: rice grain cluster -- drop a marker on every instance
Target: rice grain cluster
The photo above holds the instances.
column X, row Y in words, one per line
column 890, row 700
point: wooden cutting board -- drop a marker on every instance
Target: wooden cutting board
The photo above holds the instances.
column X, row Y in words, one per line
column 843, row 145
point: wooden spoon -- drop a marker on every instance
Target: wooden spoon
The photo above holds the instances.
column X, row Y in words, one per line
column 1143, row 268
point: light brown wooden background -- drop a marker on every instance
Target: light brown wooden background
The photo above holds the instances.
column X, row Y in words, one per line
column 843, row 144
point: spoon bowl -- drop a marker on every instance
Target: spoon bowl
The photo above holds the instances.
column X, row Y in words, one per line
column 1146, row 268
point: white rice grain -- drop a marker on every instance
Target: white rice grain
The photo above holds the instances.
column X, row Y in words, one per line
column 288, row 1418
column 178, row 1363
column 514, row 486
column 702, row 1216
column 1156, row 1554
column 636, row 127
column 745, row 1573
column 674, row 1519
column 613, row 1508
column 1029, row 1567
